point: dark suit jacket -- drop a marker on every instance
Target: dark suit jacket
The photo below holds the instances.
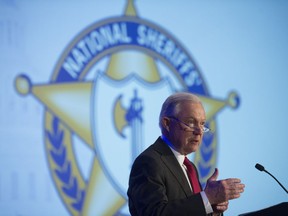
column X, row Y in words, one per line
column 158, row 186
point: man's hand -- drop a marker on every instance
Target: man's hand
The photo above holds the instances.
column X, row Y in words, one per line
column 223, row 190
column 220, row 208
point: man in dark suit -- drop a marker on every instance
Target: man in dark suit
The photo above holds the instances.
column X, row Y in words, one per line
column 159, row 182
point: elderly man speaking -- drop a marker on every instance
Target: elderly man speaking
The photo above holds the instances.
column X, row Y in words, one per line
column 163, row 181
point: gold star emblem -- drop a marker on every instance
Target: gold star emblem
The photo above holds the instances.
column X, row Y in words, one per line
column 70, row 103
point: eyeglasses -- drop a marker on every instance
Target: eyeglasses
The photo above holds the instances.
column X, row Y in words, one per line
column 191, row 125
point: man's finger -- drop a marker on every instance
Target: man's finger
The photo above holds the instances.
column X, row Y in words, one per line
column 214, row 175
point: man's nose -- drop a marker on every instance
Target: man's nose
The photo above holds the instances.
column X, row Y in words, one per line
column 197, row 130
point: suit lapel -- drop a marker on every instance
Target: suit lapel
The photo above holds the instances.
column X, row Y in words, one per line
column 172, row 164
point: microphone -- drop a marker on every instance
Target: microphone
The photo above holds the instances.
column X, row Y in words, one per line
column 261, row 168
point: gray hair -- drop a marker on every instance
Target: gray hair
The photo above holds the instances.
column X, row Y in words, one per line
column 170, row 106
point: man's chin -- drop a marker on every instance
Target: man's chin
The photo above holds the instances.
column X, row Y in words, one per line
column 195, row 146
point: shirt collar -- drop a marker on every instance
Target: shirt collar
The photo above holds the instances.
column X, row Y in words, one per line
column 180, row 158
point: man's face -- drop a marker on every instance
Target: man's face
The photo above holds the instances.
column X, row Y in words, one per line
column 184, row 138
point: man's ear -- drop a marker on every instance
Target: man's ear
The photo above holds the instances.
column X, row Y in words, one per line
column 166, row 123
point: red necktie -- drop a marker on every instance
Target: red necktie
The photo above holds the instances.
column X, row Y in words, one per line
column 192, row 175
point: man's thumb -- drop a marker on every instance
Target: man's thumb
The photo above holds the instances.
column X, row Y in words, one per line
column 214, row 175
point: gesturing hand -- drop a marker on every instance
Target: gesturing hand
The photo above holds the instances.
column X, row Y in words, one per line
column 220, row 207
column 222, row 190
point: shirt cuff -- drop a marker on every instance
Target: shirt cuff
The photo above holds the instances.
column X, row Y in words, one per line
column 206, row 202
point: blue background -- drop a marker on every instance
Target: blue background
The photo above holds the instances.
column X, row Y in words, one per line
column 238, row 45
